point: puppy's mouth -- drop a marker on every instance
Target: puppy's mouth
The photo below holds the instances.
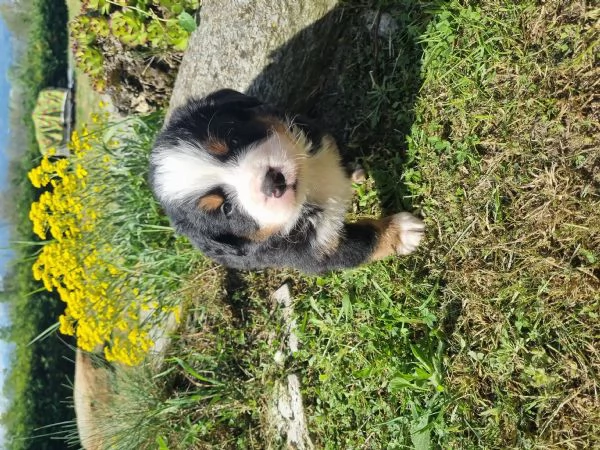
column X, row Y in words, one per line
column 278, row 182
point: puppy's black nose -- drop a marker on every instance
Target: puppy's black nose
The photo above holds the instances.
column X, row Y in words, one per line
column 274, row 184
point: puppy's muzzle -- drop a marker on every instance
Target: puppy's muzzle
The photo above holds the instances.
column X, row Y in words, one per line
column 274, row 184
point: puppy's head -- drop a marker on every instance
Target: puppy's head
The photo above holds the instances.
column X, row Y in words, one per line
column 230, row 168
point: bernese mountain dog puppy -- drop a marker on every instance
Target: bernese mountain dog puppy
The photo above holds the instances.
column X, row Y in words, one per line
column 253, row 188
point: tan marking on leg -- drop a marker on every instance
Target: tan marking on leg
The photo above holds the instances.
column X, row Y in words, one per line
column 387, row 237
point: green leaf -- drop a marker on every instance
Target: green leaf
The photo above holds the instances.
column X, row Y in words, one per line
column 399, row 383
column 190, row 371
column 362, row 373
column 44, row 334
column 162, row 443
column 422, row 374
column 421, row 356
column 588, row 255
column 347, row 307
column 420, row 434
column 180, row 44
column 187, row 22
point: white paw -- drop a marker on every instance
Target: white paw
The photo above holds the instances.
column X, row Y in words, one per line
column 410, row 232
column 359, row 176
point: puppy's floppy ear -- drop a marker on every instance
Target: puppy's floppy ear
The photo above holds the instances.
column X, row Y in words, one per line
column 229, row 97
column 209, row 240
column 192, row 120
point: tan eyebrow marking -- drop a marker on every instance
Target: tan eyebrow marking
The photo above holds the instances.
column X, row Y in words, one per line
column 217, row 147
column 211, row 202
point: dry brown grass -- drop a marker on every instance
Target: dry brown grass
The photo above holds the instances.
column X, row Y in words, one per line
column 499, row 313
column 517, row 227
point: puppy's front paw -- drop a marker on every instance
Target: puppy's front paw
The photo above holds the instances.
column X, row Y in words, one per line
column 399, row 234
column 359, row 175
column 356, row 172
column 410, row 231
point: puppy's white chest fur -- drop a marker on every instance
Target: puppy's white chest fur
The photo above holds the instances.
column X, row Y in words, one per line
column 328, row 187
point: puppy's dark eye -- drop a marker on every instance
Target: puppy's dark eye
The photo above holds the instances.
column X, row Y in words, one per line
column 226, row 208
column 234, row 142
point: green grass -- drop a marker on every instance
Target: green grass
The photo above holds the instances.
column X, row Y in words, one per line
column 488, row 336
column 194, row 401
column 500, row 159
column 481, row 116
column 504, row 149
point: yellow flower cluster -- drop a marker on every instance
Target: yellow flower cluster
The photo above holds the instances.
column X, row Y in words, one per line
column 102, row 303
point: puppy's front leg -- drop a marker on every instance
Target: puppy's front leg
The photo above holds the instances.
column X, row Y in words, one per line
column 375, row 239
column 399, row 234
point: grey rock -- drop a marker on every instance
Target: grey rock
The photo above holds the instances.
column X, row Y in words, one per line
column 237, row 40
column 309, row 57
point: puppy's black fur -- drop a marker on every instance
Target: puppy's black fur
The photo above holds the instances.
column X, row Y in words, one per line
column 224, row 129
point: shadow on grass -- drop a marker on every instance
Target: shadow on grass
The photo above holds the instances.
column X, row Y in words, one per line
column 357, row 71
column 235, row 283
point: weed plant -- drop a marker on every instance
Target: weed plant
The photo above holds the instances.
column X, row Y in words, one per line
column 132, row 49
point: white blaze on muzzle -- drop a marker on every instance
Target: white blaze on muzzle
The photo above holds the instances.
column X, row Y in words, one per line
column 285, row 156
